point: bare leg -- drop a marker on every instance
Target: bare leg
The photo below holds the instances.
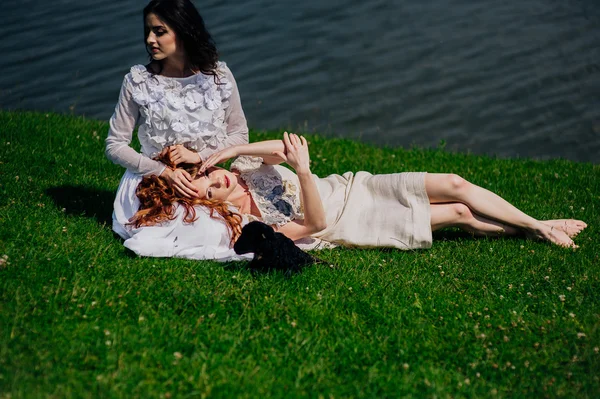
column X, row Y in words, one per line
column 457, row 214
column 443, row 188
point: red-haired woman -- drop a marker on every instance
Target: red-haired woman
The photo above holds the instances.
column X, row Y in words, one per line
column 395, row 210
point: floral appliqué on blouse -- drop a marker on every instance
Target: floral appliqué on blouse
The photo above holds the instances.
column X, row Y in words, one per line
column 277, row 199
column 172, row 112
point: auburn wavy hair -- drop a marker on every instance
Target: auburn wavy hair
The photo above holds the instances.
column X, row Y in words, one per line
column 159, row 200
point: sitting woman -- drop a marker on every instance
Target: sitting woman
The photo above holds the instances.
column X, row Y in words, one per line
column 395, row 210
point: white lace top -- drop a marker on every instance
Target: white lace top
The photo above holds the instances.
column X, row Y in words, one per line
column 194, row 111
column 274, row 189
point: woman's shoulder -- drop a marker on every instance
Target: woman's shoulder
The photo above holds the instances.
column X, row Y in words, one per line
column 138, row 73
column 245, row 164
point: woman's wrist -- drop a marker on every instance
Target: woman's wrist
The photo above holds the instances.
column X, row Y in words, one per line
column 303, row 172
column 167, row 172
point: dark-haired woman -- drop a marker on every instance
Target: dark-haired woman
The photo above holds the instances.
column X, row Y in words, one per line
column 185, row 101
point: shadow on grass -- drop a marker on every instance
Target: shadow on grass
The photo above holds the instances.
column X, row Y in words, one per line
column 84, row 201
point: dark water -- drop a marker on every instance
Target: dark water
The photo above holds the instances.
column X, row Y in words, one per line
column 511, row 78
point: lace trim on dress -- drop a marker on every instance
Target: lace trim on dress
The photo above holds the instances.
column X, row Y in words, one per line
column 192, row 114
column 277, row 199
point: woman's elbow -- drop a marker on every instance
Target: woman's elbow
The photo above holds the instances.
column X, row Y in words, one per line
column 319, row 226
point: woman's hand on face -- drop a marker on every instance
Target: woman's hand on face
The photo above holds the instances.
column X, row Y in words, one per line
column 218, row 157
column 296, row 152
column 181, row 181
column 180, row 154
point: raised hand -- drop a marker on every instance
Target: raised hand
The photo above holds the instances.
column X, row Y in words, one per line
column 296, row 152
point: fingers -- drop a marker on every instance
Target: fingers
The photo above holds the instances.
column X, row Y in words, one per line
column 286, row 139
column 185, row 192
column 280, row 155
column 183, row 184
column 294, row 140
column 210, row 161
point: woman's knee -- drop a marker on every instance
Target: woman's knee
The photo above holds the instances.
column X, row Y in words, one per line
column 456, row 183
column 462, row 212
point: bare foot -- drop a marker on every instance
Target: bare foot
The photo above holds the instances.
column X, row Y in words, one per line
column 554, row 235
column 570, row 226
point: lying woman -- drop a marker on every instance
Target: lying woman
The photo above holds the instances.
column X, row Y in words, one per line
column 395, row 210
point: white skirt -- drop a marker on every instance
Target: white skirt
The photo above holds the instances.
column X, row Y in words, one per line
column 205, row 238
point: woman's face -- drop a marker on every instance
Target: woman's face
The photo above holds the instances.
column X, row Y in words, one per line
column 161, row 39
column 215, row 184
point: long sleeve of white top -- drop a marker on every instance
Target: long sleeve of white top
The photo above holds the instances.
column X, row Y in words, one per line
column 120, row 133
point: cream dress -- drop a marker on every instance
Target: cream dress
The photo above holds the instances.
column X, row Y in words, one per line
column 362, row 210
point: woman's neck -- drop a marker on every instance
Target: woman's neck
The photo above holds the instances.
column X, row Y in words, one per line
column 241, row 197
column 176, row 67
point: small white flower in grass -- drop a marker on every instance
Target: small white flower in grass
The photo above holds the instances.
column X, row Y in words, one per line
column 467, row 381
column 526, row 364
column 569, row 288
column 547, row 278
column 108, row 343
column 501, row 296
column 562, row 298
column 510, row 286
column 141, row 318
column 405, row 366
column 572, row 314
column 580, row 335
column 64, row 229
column 293, row 323
column 529, row 294
column 177, row 355
column 106, row 332
column 596, row 349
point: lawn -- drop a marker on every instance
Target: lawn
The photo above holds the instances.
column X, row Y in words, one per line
column 80, row 316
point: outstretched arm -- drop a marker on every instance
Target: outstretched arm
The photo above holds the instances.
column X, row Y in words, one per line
column 297, row 156
column 265, row 149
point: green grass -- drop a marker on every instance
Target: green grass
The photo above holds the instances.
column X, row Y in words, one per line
column 80, row 316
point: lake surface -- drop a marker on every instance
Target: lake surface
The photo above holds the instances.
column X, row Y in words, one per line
column 514, row 79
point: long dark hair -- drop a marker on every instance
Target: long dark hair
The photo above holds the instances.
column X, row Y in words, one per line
column 185, row 20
